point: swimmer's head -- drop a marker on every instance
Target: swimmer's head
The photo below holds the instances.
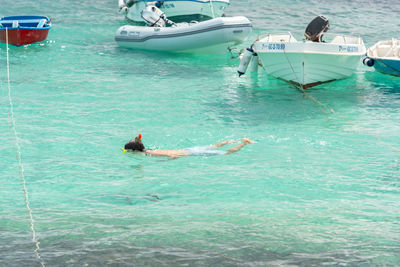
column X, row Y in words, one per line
column 135, row 144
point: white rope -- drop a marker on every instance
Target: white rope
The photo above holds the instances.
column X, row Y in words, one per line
column 19, row 160
column 299, row 84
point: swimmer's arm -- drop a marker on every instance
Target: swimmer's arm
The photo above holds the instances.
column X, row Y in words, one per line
column 157, row 153
column 167, row 153
column 245, row 141
column 223, row 143
column 233, row 141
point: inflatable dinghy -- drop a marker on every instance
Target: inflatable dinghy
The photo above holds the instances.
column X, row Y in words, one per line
column 211, row 36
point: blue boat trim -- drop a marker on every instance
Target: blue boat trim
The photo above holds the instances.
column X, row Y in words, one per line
column 387, row 66
column 133, row 39
column 29, row 20
column 25, row 28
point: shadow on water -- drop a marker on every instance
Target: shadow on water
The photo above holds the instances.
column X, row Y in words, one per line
column 84, row 252
column 258, row 99
column 387, row 84
column 122, row 200
column 159, row 65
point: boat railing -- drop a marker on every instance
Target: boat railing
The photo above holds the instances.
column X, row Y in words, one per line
column 270, row 35
column 25, row 21
column 340, row 38
column 345, row 39
column 34, row 23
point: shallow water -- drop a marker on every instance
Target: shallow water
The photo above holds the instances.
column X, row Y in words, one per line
column 316, row 188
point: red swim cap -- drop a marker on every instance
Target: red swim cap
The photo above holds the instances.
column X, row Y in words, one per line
column 140, row 136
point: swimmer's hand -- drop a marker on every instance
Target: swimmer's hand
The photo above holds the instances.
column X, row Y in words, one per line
column 247, row 141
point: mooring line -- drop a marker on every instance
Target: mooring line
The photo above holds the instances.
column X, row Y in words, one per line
column 13, row 131
column 299, row 85
column 378, row 138
column 331, row 110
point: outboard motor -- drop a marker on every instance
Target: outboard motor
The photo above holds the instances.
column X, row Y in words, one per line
column 154, row 17
column 316, row 29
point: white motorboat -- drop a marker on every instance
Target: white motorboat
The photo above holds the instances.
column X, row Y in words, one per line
column 211, row 36
column 176, row 10
column 311, row 61
column 385, row 57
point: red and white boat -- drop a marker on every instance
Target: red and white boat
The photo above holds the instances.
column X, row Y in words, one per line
column 24, row 30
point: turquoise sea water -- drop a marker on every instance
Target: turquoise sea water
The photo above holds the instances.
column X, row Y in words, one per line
column 317, row 187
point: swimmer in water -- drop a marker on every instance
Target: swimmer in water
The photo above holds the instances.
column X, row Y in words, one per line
column 137, row 145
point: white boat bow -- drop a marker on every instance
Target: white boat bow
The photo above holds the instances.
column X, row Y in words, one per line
column 308, row 63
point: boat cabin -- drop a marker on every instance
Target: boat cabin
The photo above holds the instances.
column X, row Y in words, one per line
column 384, row 49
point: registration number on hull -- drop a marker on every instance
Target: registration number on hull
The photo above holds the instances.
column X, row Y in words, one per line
column 273, row 46
column 349, row 48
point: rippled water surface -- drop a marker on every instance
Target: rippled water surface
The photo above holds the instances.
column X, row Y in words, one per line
column 321, row 185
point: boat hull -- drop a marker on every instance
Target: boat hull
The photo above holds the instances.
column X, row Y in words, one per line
column 23, row 30
column 20, row 37
column 386, row 56
column 387, row 66
column 309, row 64
column 212, row 36
column 185, row 10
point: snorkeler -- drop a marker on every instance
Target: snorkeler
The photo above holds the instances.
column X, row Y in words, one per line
column 137, row 145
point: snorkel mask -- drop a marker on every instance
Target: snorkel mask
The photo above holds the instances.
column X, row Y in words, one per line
column 135, row 144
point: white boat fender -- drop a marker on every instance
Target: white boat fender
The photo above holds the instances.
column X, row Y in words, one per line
column 244, row 62
column 123, row 10
column 368, row 61
column 253, row 66
column 122, row 5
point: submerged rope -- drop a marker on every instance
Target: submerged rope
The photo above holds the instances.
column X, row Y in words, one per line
column 378, row 138
column 11, row 121
column 331, row 110
column 234, row 49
